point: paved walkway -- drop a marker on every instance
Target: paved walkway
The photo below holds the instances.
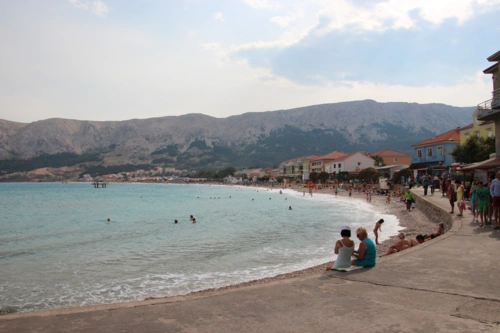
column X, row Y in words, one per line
column 450, row 284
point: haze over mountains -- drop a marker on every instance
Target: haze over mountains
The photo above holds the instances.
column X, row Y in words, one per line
column 251, row 139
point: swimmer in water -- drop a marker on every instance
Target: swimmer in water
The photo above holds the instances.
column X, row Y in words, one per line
column 176, row 221
column 290, row 208
column 194, row 220
column 109, row 220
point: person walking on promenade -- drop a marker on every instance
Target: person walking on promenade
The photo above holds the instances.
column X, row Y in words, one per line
column 495, row 193
column 444, row 186
column 460, row 197
column 482, row 194
column 450, row 194
column 425, row 183
column 435, row 184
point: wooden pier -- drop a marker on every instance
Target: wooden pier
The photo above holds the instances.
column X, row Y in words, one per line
column 101, row 184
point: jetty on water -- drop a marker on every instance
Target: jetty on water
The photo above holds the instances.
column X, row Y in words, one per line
column 101, row 184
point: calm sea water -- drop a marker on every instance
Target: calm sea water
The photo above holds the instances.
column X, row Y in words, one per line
column 58, row 250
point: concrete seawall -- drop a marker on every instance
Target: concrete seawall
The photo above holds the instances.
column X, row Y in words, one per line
column 435, row 213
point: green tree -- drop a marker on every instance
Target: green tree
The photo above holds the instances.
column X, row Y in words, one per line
column 313, row 176
column 475, row 149
column 226, row 171
column 396, row 178
column 379, row 161
column 323, row 176
column 369, row 173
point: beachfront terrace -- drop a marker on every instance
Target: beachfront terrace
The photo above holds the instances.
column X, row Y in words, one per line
column 490, row 109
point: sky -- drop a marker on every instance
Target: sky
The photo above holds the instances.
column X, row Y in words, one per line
column 126, row 59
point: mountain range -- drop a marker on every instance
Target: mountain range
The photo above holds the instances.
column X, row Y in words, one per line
column 196, row 141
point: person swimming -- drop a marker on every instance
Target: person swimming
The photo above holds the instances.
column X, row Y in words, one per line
column 176, row 221
column 290, row 208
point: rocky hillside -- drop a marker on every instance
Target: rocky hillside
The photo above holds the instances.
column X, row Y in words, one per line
column 251, row 139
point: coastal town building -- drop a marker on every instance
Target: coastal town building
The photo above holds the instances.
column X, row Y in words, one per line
column 318, row 163
column 393, row 157
column 478, row 128
column 299, row 167
column 490, row 109
column 436, row 150
column 354, row 161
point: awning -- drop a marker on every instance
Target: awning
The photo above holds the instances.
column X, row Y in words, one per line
column 484, row 165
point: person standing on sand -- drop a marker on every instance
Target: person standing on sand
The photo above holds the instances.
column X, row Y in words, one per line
column 366, row 255
column 409, row 200
column 378, row 226
column 344, row 248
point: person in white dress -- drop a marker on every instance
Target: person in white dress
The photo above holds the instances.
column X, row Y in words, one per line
column 343, row 248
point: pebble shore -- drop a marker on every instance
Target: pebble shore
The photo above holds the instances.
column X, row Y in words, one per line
column 412, row 223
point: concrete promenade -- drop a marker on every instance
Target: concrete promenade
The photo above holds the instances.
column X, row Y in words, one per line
column 449, row 284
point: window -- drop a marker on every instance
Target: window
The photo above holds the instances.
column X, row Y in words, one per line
column 429, row 151
column 440, row 150
column 340, row 165
column 477, row 134
column 395, row 159
column 467, row 136
column 419, row 152
column 335, row 166
column 490, row 132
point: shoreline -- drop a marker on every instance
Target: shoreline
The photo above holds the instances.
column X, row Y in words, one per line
column 412, row 223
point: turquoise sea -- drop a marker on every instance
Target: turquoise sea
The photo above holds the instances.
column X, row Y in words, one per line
column 58, row 250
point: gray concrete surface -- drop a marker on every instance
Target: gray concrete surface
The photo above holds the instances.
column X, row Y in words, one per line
column 450, row 284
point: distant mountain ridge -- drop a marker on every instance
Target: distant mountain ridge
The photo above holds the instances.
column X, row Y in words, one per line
column 251, row 139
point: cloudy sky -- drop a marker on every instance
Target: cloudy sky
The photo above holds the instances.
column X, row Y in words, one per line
column 123, row 59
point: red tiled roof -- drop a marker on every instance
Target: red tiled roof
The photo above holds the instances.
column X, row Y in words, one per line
column 350, row 154
column 389, row 152
column 331, row 156
column 453, row 135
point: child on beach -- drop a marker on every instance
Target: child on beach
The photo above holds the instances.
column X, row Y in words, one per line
column 378, row 226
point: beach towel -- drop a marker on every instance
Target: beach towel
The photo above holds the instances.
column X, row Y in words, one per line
column 352, row 268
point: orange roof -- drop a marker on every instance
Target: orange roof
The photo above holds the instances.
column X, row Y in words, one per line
column 388, row 152
column 453, row 135
column 332, row 156
column 350, row 154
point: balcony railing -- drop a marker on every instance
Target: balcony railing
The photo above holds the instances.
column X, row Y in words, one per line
column 490, row 109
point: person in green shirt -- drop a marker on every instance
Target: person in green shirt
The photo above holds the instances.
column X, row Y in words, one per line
column 482, row 201
column 409, row 200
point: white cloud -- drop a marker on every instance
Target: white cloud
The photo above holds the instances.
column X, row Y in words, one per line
column 261, row 4
column 284, row 21
column 218, row 16
column 78, row 4
column 97, row 7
